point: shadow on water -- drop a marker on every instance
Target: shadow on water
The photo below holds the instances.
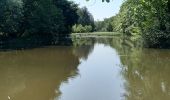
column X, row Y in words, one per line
column 35, row 74
column 34, row 41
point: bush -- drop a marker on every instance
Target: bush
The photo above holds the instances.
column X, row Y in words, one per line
column 156, row 39
column 81, row 29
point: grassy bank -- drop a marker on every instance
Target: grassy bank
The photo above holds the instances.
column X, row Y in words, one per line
column 96, row 34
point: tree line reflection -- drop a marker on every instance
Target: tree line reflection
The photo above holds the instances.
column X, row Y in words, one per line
column 36, row 74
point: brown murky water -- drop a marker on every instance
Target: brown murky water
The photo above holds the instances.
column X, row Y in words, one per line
column 92, row 69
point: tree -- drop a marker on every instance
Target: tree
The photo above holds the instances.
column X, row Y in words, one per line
column 85, row 17
column 146, row 19
column 104, row 26
column 10, row 15
column 42, row 17
column 69, row 10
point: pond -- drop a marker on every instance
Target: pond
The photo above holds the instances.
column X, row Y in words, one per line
column 91, row 69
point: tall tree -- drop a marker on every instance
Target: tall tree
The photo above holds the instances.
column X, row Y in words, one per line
column 85, row 17
column 69, row 10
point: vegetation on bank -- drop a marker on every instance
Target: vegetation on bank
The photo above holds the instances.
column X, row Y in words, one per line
column 146, row 20
column 21, row 18
column 78, row 28
column 49, row 20
column 96, row 34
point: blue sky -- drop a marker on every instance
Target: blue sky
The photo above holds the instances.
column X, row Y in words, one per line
column 99, row 9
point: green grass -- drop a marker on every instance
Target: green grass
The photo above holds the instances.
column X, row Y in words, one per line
column 96, row 34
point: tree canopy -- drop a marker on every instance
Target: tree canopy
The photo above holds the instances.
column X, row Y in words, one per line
column 28, row 17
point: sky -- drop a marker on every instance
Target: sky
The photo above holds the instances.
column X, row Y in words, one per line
column 99, row 9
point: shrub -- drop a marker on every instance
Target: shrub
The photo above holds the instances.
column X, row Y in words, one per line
column 81, row 29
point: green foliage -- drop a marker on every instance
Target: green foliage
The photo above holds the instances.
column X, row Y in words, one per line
column 85, row 21
column 78, row 28
column 85, row 17
column 42, row 17
column 69, row 10
column 88, row 28
column 104, row 26
column 146, row 19
column 51, row 18
column 10, row 15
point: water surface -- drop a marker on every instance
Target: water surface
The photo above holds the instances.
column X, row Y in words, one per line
column 91, row 69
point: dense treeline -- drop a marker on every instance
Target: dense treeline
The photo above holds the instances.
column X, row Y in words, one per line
column 42, row 20
column 49, row 18
column 147, row 20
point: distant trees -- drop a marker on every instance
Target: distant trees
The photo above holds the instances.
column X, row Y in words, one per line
column 85, row 21
column 78, row 28
column 85, row 17
column 104, row 26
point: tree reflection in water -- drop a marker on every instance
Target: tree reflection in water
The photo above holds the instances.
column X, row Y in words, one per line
column 146, row 72
column 39, row 74
column 35, row 74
